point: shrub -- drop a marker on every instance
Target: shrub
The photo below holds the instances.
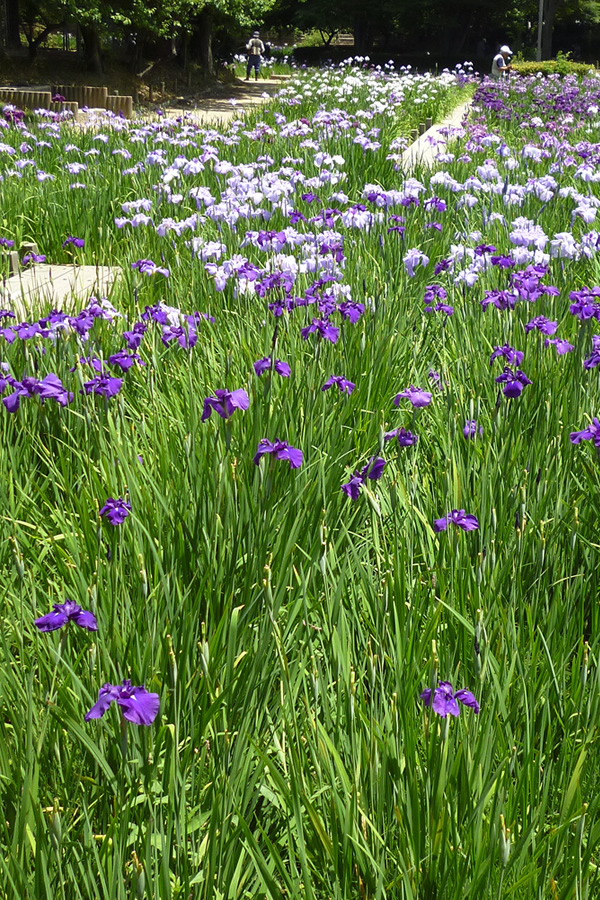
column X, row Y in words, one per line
column 562, row 65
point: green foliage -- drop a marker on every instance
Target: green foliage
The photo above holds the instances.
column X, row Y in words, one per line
column 562, row 65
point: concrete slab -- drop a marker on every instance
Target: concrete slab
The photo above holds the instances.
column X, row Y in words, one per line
column 424, row 150
column 41, row 286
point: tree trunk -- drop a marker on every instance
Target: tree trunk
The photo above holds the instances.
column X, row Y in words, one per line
column 13, row 37
column 363, row 34
column 550, row 7
column 91, row 46
column 202, row 43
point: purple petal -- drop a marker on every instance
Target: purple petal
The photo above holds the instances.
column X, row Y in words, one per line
column 444, row 704
column 440, row 524
column 106, row 695
column 141, row 707
column 52, row 621
column 468, row 699
column 469, row 523
column 86, row 619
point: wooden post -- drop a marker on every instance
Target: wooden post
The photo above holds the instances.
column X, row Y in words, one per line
column 428, row 122
column 421, row 127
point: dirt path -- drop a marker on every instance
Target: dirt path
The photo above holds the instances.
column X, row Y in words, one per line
column 223, row 103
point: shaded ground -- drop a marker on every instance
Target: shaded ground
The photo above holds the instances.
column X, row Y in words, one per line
column 160, row 85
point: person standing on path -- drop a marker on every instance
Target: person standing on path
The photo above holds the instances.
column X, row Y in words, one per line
column 500, row 68
column 255, row 48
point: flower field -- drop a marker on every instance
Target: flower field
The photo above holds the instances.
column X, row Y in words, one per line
column 299, row 547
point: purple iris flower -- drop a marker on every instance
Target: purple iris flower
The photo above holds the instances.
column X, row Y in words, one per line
column 512, row 356
column 33, row 258
column 125, row 360
column 184, row 337
column 470, row 430
column 417, row 397
column 225, row 403
column 373, row 470
column 279, row 450
column 586, row 303
column 147, row 267
column 263, row 365
column 52, row 388
column 325, row 329
column 48, row 388
column 351, row 311
column 444, row 700
column 503, row 262
column 561, row 346
column 342, row 383
column 77, row 242
column 6, row 242
column 137, row 704
column 457, row 517
column 514, row 382
column 591, row 433
column 134, row 337
column 593, row 359
column 542, row 324
column 500, row 299
column 115, row 511
column 405, row 438
column 104, row 385
column 64, row 613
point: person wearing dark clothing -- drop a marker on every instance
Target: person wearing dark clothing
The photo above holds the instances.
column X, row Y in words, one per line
column 255, row 48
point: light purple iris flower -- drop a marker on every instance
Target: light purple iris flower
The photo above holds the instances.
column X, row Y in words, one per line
column 225, row 403
column 458, row 517
column 77, row 242
column 115, row 511
column 64, row 613
column 514, row 382
column 373, row 470
column 263, row 365
column 417, row 397
column 561, row 346
column 414, row 258
column 591, row 433
column 342, row 383
column 137, row 704
column 279, row 450
column 444, row 700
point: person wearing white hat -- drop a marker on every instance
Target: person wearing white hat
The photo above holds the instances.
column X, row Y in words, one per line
column 500, row 68
column 255, row 48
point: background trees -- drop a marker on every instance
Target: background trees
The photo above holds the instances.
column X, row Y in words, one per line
column 461, row 29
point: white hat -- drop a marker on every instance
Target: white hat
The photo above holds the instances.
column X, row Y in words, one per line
column 505, row 49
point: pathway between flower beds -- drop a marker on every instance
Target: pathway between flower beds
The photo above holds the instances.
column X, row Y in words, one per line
column 425, row 149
